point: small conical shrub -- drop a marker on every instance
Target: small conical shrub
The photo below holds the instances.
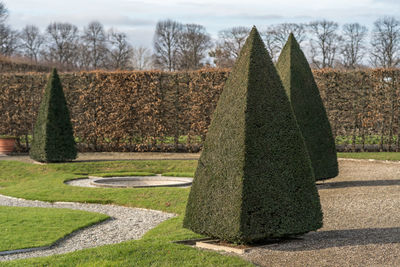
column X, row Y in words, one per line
column 53, row 139
column 308, row 108
column 254, row 179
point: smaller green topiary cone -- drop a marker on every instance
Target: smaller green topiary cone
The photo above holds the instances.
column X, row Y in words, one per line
column 298, row 80
column 53, row 138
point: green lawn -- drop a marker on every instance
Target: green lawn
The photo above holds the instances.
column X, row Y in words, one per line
column 121, row 174
column 368, row 139
column 45, row 182
column 159, row 166
column 34, row 227
column 179, row 174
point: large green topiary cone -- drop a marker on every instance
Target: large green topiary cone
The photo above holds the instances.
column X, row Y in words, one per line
column 308, row 108
column 53, row 138
column 254, row 179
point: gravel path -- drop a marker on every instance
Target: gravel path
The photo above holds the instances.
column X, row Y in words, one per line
column 125, row 224
column 111, row 156
column 361, row 222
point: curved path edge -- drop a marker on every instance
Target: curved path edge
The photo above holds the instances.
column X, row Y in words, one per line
column 124, row 224
column 371, row 160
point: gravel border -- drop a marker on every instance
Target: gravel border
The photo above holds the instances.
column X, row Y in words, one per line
column 125, row 224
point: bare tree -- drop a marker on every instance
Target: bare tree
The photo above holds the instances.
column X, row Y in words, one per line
column 283, row 30
column 271, row 43
column 353, row 47
column 222, row 57
column 31, row 42
column 62, row 43
column 120, row 52
column 8, row 40
column 141, row 58
column 385, row 43
column 3, row 13
column 84, row 58
column 166, row 39
column 229, row 44
column 194, row 42
column 94, row 38
column 8, row 36
column 275, row 37
column 325, row 43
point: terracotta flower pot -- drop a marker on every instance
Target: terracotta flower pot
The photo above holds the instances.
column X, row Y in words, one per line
column 7, row 145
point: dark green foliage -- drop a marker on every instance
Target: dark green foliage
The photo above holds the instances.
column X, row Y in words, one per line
column 254, row 179
column 309, row 110
column 53, row 138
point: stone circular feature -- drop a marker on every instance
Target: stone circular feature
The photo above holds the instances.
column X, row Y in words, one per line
column 142, row 181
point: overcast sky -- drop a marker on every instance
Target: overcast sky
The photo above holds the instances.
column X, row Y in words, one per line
column 138, row 18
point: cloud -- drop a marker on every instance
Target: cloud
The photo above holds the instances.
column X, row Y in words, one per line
column 395, row 2
column 138, row 17
column 257, row 17
column 81, row 20
column 192, row 3
column 127, row 21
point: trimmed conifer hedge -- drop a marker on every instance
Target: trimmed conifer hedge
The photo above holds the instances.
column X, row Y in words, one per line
column 308, row 108
column 254, row 178
column 53, row 138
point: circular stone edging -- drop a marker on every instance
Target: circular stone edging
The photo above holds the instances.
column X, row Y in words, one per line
column 141, row 181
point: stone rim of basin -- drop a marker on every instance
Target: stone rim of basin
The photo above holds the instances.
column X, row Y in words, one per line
column 141, row 181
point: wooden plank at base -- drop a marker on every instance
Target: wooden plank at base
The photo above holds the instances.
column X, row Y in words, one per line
column 210, row 244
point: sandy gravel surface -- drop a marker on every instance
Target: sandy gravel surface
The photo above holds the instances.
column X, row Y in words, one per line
column 125, row 224
column 109, row 156
column 361, row 222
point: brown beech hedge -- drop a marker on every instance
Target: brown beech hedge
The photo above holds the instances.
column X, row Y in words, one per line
column 152, row 110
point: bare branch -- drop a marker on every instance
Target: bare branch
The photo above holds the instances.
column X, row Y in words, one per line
column 121, row 51
column 141, row 58
column 325, row 43
column 166, row 38
column 353, row 48
column 385, row 43
column 94, row 38
column 31, row 42
column 229, row 44
column 193, row 44
column 62, row 43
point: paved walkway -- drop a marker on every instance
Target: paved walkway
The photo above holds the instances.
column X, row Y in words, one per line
column 125, row 224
